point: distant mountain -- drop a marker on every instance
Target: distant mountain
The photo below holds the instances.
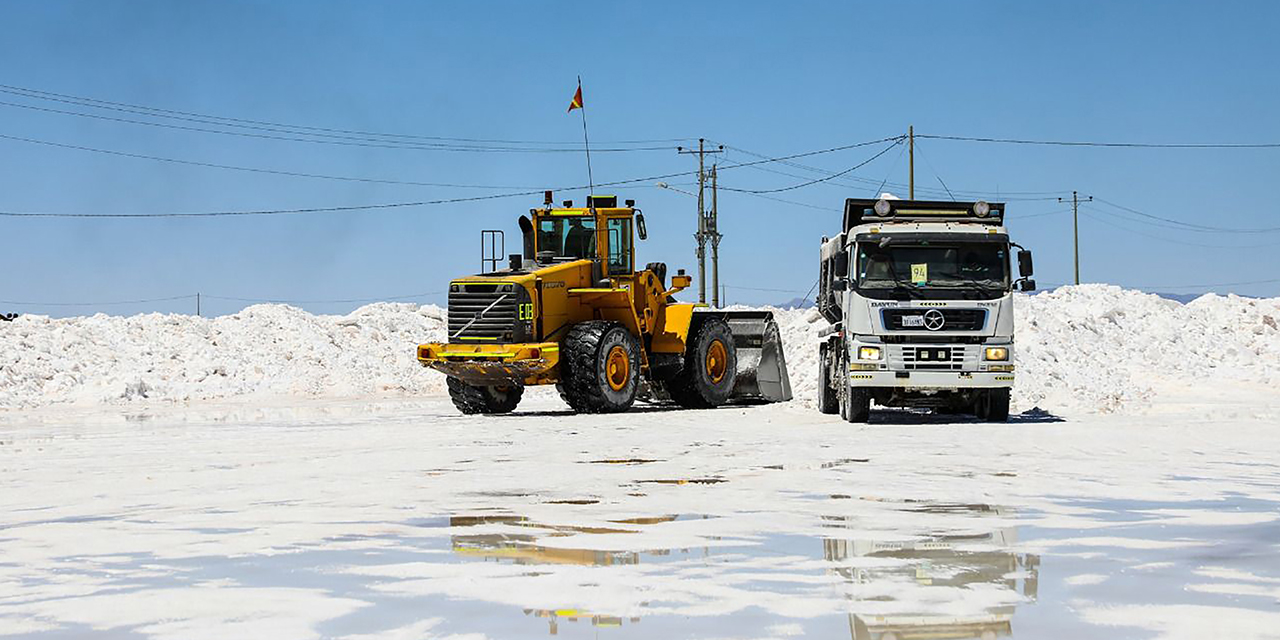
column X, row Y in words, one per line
column 796, row 303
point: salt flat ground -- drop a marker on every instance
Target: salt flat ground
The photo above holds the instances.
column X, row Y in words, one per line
column 403, row 519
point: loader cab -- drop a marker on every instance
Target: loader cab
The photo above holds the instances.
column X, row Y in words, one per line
column 601, row 232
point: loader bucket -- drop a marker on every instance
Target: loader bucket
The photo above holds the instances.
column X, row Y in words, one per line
column 762, row 368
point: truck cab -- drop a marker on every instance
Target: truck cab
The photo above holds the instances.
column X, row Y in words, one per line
column 919, row 295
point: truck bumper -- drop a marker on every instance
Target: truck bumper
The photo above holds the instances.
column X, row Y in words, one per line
column 924, row 380
column 493, row 364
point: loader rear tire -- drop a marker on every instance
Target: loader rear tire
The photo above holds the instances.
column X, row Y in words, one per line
column 710, row 366
column 472, row 399
column 600, row 363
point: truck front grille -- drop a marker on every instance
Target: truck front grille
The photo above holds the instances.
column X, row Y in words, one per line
column 934, row 357
column 953, row 319
column 482, row 311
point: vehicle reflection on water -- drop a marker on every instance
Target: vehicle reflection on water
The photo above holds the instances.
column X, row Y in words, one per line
column 936, row 562
column 522, row 549
column 938, row 570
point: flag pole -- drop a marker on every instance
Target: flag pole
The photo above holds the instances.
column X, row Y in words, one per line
column 586, row 143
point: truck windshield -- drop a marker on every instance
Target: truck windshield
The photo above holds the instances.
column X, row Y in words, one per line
column 981, row 265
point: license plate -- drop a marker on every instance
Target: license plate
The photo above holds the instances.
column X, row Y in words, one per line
column 913, row 321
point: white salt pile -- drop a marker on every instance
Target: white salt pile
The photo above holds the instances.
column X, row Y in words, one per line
column 264, row 349
column 1087, row 348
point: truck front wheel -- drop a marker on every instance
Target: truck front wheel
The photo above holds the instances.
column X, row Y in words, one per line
column 472, row 399
column 855, row 405
column 992, row 405
column 828, row 398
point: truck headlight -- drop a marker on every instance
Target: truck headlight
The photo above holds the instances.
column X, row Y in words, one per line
column 868, row 353
column 996, row 353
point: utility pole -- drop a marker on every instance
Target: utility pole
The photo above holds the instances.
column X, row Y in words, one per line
column 1075, row 226
column 197, row 304
column 701, row 236
column 713, row 231
column 911, row 162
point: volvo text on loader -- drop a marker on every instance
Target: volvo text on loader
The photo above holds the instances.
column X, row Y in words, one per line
column 572, row 310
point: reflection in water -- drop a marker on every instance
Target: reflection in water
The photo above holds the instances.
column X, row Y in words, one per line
column 521, row 549
column 984, row 560
column 914, row 586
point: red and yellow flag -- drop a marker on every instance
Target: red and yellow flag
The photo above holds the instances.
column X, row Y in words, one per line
column 577, row 99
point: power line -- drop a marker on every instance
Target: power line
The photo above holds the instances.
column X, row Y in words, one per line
column 1136, row 145
column 1180, row 242
column 1187, row 226
column 398, row 205
column 855, row 167
column 96, row 304
column 896, row 185
column 279, row 172
column 159, row 112
column 1036, row 215
column 262, row 212
column 348, row 141
column 935, row 172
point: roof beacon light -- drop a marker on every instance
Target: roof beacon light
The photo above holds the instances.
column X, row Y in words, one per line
column 883, row 208
column 981, row 209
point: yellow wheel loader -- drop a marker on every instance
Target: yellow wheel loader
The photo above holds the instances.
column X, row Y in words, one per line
column 572, row 310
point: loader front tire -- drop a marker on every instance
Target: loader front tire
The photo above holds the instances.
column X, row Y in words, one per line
column 472, row 399
column 600, row 363
column 710, row 367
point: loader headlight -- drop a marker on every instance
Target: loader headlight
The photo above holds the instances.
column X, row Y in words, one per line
column 868, row 353
column 996, row 353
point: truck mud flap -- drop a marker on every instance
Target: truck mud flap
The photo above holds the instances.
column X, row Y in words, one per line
column 762, row 367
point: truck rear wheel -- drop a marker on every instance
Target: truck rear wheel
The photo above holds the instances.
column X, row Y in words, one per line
column 601, row 367
column 472, row 399
column 855, row 405
column 710, row 366
column 992, row 405
column 828, row 398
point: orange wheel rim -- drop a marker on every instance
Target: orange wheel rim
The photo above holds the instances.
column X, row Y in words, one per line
column 717, row 361
column 617, row 368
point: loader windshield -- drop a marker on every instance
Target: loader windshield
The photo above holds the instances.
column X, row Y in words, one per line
column 571, row 237
column 918, row 266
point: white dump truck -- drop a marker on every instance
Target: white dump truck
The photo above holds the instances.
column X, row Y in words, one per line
column 919, row 295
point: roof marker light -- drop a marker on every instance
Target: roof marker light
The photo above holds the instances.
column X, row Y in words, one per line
column 883, row 208
column 981, row 209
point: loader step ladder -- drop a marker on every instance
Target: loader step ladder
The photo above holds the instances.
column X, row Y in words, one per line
column 493, row 246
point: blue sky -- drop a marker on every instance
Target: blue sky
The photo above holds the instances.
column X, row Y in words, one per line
column 769, row 78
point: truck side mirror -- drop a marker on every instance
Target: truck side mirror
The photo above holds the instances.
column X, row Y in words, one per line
column 640, row 230
column 1024, row 263
column 839, row 285
column 1027, row 285
column 840, row 265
